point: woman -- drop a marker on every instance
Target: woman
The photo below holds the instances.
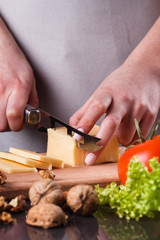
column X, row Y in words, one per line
column 81, row 53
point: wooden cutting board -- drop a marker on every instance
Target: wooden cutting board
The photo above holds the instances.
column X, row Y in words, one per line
column 102, row 174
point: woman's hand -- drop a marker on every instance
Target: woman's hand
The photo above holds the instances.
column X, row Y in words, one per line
column 132, row 91
column 17, row 82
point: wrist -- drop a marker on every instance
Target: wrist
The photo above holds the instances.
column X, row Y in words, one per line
column 146, row 56
column 144, row 63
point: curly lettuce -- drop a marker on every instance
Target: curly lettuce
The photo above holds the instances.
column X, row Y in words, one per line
column 141, row 194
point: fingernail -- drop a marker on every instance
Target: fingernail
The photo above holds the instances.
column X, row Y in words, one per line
column 90, row 159
column 77, row 136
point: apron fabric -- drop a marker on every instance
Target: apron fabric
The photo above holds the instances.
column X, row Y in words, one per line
column 72, row 46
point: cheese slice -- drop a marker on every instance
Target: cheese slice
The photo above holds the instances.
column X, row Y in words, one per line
column 37, row 156
column 25, row 161
column 13, row 167
column 64, row 147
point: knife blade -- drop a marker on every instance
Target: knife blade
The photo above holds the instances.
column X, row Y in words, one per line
column 34, row 116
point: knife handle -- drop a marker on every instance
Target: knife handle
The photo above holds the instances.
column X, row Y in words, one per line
column 32, row 115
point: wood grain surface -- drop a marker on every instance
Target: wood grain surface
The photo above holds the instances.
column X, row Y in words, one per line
column 102, row 174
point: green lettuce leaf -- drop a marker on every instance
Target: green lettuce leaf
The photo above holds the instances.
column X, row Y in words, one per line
column 141, row 194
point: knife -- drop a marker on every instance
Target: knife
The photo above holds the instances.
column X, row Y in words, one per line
column 34, row 116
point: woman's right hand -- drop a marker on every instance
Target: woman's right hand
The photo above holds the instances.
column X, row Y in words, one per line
column 17, row 82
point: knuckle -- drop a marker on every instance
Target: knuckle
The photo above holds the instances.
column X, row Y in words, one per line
column 149, row 111
column 75, row 118
column 127, row 98
column 114, row 121
column 28, row 70
column 17, row 83
column 73, row 121
column 140, row 106
column 13, row 114
column 153, row 109
column 98, row 106
column 29, row 77
column 25, row 81
column 86, row 122
column 151, row 115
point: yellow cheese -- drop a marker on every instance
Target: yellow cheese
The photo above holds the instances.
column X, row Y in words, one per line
column 37, row 156
column 13, row 167
column 25, row 161
column 63, row 147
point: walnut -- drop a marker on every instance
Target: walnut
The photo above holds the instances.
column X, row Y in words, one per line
column 46, row 215
column 18, row 204
column 46, row 191
column 82, row 199
column 47, row 174
column 6, row 217
column 2, row 178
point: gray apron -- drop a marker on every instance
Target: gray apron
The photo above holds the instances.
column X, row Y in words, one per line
column 72, row 46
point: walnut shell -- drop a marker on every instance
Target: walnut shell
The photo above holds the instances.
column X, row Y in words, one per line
column 18, row 204
column 46, row 215
column 4, row 206
column 82, row 199
column 47, row 174
column 6, row 217
column 46, row 191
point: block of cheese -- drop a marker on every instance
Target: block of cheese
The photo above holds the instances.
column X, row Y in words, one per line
column 37, row 156
column 64, row 147
column 13, row 167
column 25, row 161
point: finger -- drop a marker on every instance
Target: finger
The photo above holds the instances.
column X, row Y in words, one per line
column 108, row 128
column 77, row 136
column 106, row 131
column 126, row 129
column 145, row 125
column 93, row 112
column 75, row 118
column 15, row 109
